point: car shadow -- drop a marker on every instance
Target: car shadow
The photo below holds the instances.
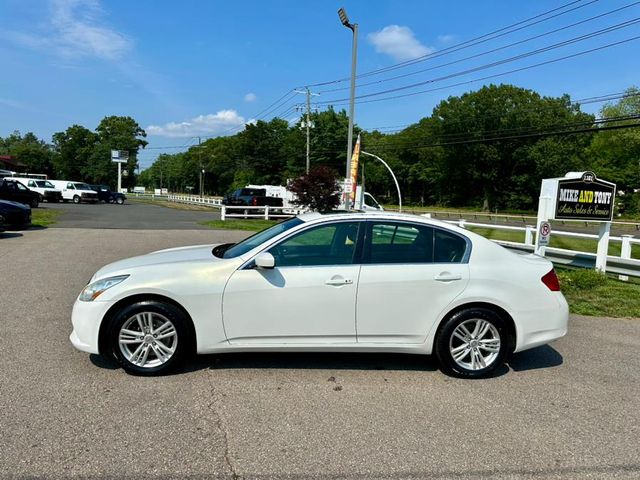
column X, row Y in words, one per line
column 537, row 358
column 314, row 361
column 534, row 359
column 8, row 234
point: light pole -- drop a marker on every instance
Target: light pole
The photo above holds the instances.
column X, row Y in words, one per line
column 392, row 174
column 354, row 52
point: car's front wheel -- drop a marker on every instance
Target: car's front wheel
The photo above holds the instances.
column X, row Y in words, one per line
column 472, row 343
column 76, row 199
column 149, row 337
column 34, row 202
column 119, row 200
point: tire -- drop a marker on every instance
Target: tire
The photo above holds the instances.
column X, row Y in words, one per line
column 34, row 202
column 162, row 354
column 76, row 199
column 462, row 348
column 119, row 200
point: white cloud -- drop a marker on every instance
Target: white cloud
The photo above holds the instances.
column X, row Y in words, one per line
column 445, row 39
column 75, row 29
column 220, row 123
column 398, row 42
column 250, row 97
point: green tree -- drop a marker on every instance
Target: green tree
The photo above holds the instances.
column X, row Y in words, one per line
column 73, row 151
column 116, row 133
column 35, row 154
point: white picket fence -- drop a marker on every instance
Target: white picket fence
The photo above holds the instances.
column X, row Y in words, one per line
column 623, row 265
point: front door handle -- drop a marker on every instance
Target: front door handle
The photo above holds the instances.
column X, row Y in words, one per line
column 337, row 281
column 447, row 277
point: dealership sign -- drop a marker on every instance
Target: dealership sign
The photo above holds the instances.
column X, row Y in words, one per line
column 585, row 198
column 579, row 196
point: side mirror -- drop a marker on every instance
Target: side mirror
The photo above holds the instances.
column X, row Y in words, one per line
column 265, row 260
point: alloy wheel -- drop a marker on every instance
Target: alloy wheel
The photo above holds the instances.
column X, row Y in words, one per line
column 475, row 344
column 148, row 339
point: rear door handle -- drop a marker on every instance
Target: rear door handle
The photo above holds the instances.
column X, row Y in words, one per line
column 447, row 277
column 338, row 281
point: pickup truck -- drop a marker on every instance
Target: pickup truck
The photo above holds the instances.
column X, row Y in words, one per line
column 105, row 194
column 253, row 197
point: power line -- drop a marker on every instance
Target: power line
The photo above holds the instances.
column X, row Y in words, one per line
column 574, row 103
column 469, row 43
column 521, row 56
column 467, row 82
column 503, row 47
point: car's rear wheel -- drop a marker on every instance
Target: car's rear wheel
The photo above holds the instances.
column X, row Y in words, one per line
column 76, row 199
column 472, row 343
column 149, row 337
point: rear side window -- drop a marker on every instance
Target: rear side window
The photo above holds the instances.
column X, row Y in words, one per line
column 448, row 247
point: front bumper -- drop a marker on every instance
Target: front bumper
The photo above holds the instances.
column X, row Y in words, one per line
column 53, row 197
column 86, row 319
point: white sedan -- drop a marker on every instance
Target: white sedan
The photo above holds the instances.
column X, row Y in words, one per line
column 335, row 282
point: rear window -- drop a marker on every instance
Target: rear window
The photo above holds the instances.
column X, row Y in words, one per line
column 254, row 192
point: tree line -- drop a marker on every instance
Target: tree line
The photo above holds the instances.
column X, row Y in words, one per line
column 79, row 153
column 486, row 149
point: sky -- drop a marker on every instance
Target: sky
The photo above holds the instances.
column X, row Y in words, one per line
column 207, row 67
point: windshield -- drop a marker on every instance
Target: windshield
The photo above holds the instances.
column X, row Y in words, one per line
column 254, row 240
column 44, row 184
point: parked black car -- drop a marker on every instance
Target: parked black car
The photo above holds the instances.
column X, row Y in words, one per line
column 106, row 195
column 1, row 224
column 15, row 214
column 17, row 192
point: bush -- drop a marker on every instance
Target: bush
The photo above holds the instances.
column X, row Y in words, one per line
column 581, row 279
column 317, row 190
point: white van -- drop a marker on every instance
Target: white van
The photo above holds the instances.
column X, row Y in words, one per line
column 44, row 188
column 75, row 191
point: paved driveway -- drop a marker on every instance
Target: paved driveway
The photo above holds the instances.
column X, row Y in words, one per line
column 566, row 411
column 131, row 215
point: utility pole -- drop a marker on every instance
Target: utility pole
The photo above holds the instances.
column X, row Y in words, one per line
column 201, row 169
column 307, row 122
column 354, row 52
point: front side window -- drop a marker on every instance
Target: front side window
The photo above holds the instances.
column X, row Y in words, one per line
column 70, row 186
column 32, row 184
column 333, row 244
column 259, row 238
column 391, row 242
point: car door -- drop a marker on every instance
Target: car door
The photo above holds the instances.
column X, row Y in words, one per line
column 307, row 298
column 410, row 273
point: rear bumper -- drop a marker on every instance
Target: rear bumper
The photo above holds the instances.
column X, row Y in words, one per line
column 542, row 325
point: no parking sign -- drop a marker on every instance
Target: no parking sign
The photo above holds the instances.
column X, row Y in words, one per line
column 544, row 232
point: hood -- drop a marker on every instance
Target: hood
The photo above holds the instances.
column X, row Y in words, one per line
column 171, row 255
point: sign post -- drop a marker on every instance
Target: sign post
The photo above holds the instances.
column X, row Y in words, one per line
column 577, row 196
column 120, row 157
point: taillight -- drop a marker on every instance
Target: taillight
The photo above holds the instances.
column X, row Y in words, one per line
column 254, row 201
column 551, row 281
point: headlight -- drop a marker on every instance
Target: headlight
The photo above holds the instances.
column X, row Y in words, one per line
column 93, row 290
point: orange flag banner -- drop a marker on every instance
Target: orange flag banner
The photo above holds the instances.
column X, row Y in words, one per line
column 354, row 169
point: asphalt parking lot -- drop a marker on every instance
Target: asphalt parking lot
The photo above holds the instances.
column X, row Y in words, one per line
column 130, row 215
column 569, row 410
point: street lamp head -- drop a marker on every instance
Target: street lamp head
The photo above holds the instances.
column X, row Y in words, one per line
column 342, row 13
